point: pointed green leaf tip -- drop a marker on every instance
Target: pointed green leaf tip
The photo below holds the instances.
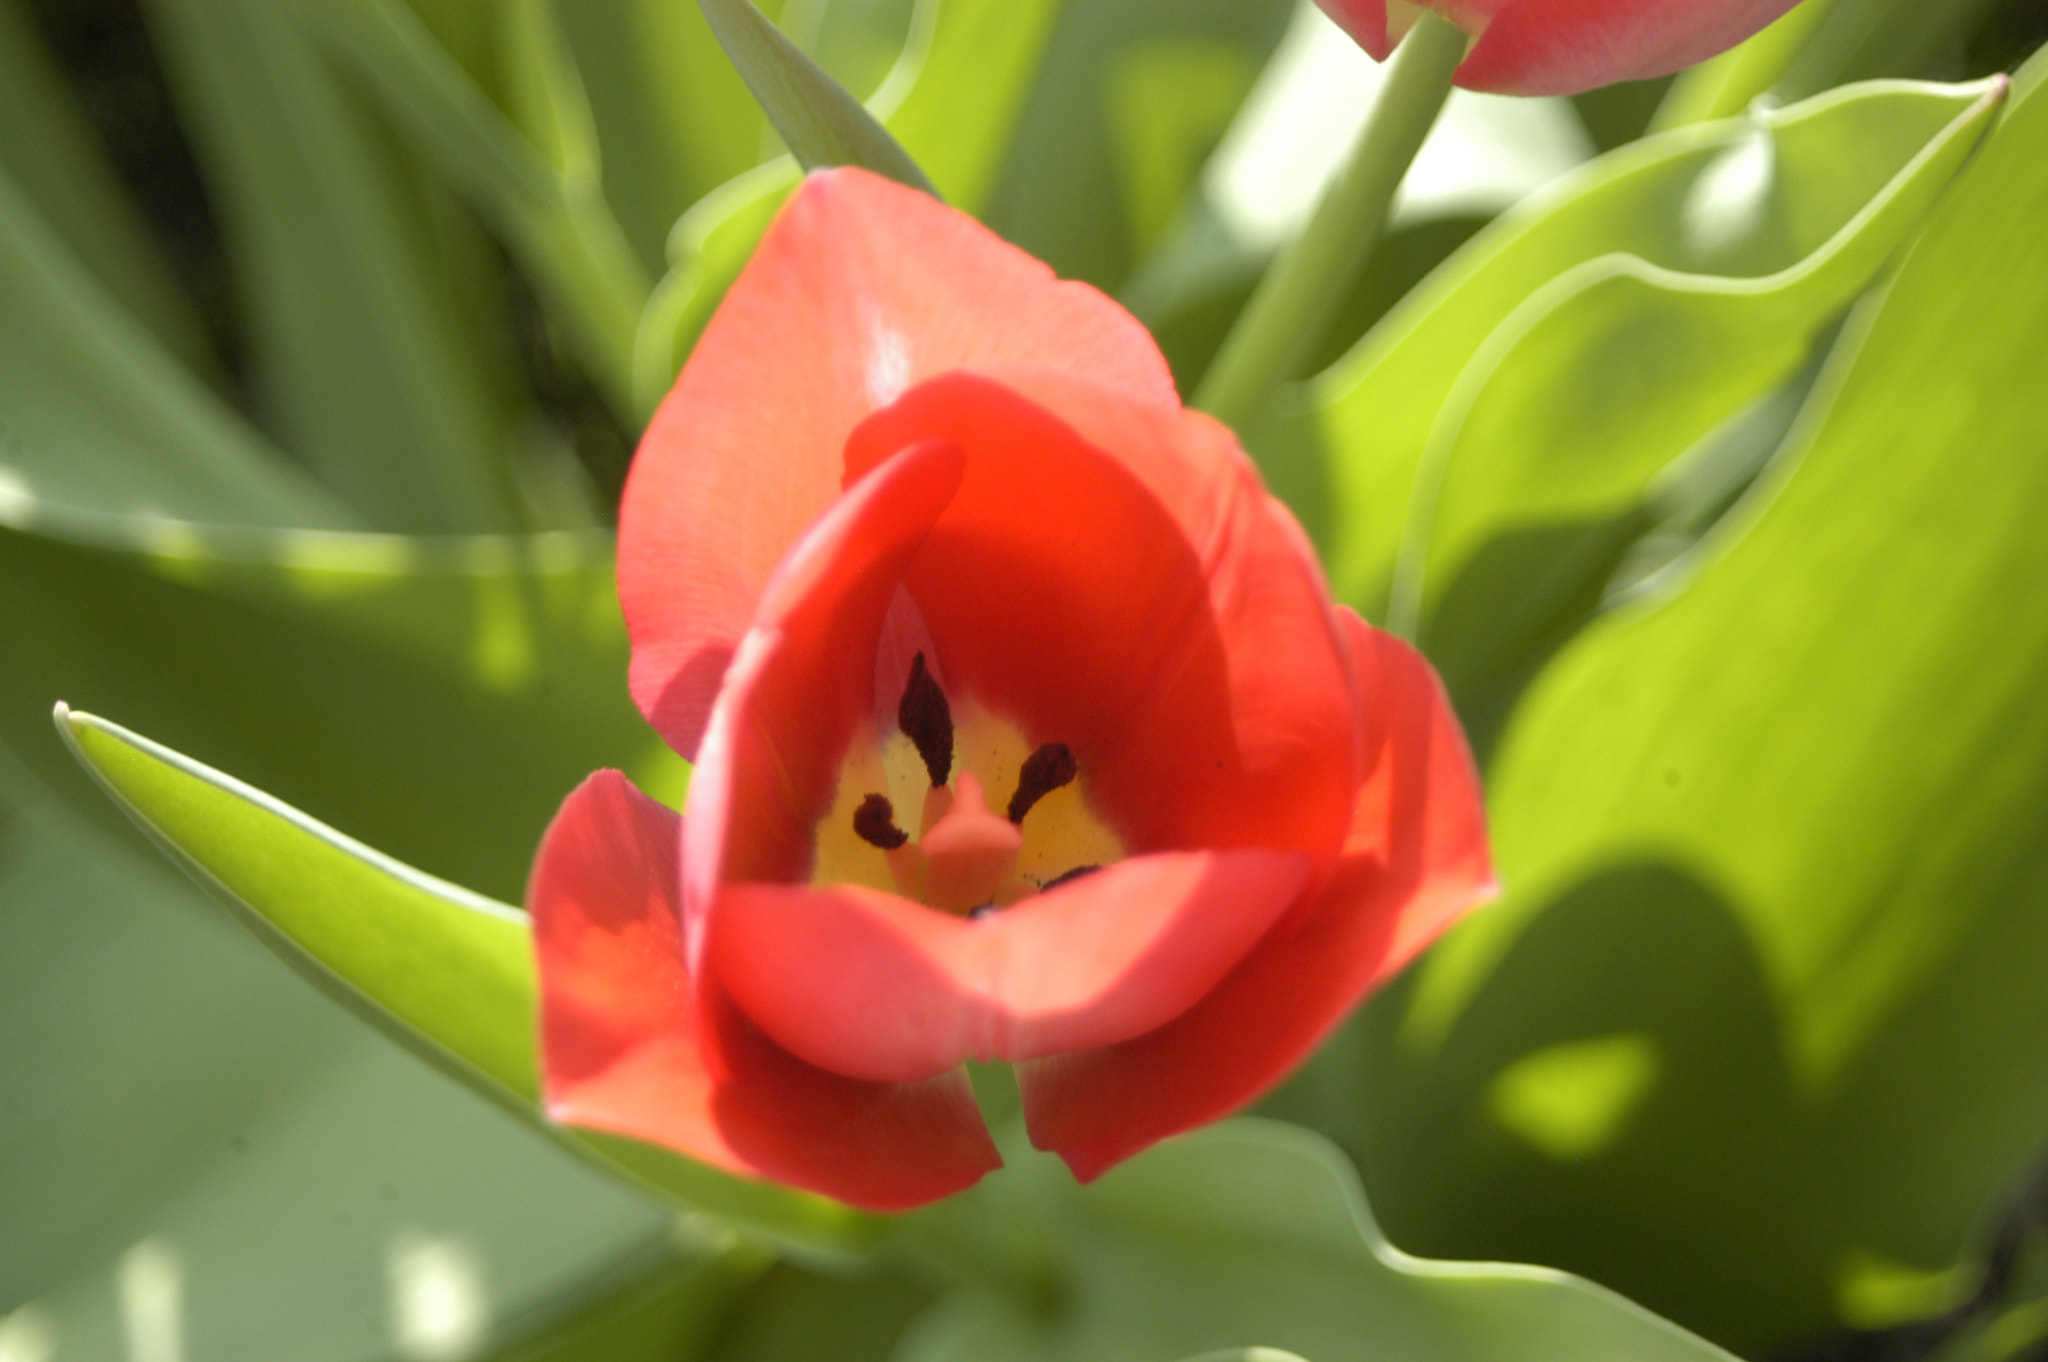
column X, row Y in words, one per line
column 822, row 124
column 447, row 973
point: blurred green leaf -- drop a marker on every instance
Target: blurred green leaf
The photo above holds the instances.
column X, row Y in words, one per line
column 1776, row 220
column 669, row 1311
column 546, row 200
column 58, row 165
column 1248, row 1230
column 1781, row 834
column 366, row 353
column 951, row 101
column 194, row 1148
column 1123, row 111
column 439, row 696
column 94, row 413
column 819, row 121
column 445, row 972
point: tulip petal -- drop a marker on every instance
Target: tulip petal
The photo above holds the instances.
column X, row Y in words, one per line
column 1154, row 610
column 860, row 289
column 620, row 1050
column 1415, row 859
column 1566, row 47
column 876, row 987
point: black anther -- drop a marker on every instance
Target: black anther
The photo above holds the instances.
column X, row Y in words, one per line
column 875, row 822
column 927, row 721
column 1045, row 770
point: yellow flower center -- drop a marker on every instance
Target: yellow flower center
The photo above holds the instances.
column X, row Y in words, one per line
column 958, row 810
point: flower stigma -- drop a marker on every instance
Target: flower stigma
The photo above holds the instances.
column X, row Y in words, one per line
column 913, row 812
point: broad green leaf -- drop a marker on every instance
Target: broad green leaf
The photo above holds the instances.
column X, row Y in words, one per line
column 951, row 100
column 1249, row 1230
column 1725, row 211
column 95, row 413
column 445, row 972
column 194, row 1146
column 1564, row 423
column 819, row 121
column 439, row 696
column 544, row 200
column 48, row 149
column 1778, row 898
column 362, row 291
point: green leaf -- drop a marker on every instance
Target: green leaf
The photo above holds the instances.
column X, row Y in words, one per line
column 210, row 1155
column 821, row 123
column 1780, row 835
column 1774, row 221
column 547, row 204
column 94, row 413
column 1248, row 1230
column 363, row 292
column 489, row 671
column 445, row 972
column 49, row 150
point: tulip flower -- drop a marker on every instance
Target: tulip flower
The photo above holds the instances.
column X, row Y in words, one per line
column 1024, row 730
column 1564, row 47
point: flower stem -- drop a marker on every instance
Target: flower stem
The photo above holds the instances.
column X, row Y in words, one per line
column 1291, row 308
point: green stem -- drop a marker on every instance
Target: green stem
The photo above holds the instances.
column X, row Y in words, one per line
column 1287, row 315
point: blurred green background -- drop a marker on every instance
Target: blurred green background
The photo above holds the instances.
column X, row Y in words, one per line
column 1694, row 428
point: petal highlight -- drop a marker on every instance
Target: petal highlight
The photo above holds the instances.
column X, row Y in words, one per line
column 860, row 289
column 1415, row 858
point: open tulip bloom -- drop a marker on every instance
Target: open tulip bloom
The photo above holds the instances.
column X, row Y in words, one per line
column 1564, row 47
column 1024, row 727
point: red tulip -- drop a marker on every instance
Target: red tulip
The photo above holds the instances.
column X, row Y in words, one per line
column 1024, row 730
column 1563, row 47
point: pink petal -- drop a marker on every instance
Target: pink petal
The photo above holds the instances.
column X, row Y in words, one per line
column 876, row 987
column 1564, row 47
column 1414, row 860
column 1141, row 600
column 620, row 1050
column 860, row 289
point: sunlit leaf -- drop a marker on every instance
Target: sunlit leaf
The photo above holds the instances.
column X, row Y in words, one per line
column 1781, row 216
column 1781, row 835
column 198, row 1149
column 445, row 972
column 488, row 671
column 1249, row 1230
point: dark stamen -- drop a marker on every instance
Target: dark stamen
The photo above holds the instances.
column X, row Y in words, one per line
column 1045, row 770
column 875, row 822
column 927, row 721
column 1076, row 873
